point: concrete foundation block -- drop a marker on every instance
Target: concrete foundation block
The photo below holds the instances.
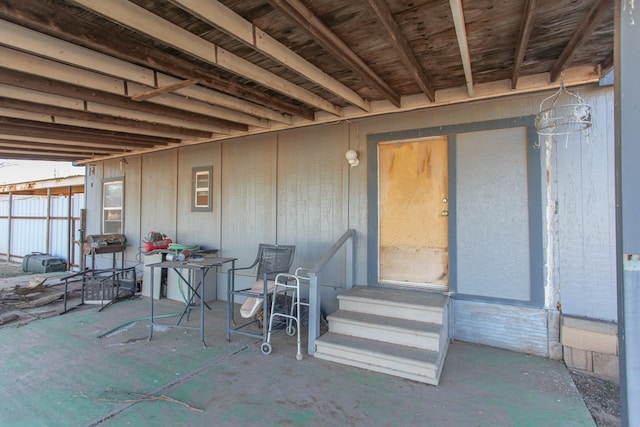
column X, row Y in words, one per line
column 590, row 335
column 606, row 366
column 578, row 359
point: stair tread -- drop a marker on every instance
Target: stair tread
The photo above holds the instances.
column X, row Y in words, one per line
column 391, row 322
column 360, row 345
column 396, row 296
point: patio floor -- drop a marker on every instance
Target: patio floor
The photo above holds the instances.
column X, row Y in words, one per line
column 56, row 372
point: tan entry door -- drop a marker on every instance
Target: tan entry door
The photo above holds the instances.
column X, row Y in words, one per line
column 413, row 213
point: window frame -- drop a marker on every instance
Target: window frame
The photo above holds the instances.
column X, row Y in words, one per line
column 105, row 209
column 196, row 190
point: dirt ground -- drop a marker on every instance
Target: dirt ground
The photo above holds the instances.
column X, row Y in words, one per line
column 602, row 397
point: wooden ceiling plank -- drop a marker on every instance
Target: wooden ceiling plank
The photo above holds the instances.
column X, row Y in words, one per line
column 16, row 104
column 25, row 125
column 141, row 20
column 218, row 98
column 582, row 34
column 164, row 89
column 14, row 144
column 463, row 43
column 234, row 120
column 402, row 47
column 152, row 118
column 81, row 145
column 216, row 14
column 310, row 23
column 81, row 31
column 36, row 155
column 224, row 117
column 44, row 84
column 526, row 27
column 27, row 40
column 215, row 115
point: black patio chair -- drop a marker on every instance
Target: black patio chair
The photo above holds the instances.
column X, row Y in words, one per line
column 270, row 261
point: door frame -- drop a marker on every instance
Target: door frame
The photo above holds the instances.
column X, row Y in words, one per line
column 398, row 283
column 534, row 167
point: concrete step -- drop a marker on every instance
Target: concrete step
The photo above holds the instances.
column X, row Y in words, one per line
column 386, row 329
column 396, row 303
column 397, row 360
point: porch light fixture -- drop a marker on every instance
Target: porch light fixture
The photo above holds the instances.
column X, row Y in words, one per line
column 563, row 113
column 352, row 157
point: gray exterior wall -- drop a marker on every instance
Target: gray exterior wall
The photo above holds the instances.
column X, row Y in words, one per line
column 295, row 187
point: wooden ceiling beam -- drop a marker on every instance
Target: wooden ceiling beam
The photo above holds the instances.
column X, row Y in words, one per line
column 57, row 50
column 55, row 87
column 395, row 36
column 582, row 34
column 526, row 26
column 76, row 133
column 307, row 21
column 164, row 89
column 16, row 143
column 31, row 155
column 54, row 111
column 48, row 19
column 141, row 20
column 52, row 141
column 463, row 42
column 218, row 15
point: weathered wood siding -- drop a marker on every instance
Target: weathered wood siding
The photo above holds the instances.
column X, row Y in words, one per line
column 515, row 328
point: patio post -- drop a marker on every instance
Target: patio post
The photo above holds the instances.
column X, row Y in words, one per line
column 627, row 155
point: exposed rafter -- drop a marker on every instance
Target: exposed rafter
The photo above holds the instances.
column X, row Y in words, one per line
column 401, row 45
column 46, row 46
column 164, row 89
column 218, row 15
column 323, row 35
column 86, row 33
column 580, row 37
column 19, row 105
column 12, row 126
column 91, row 97
column 463, row 43
column 100, row 80
column 526, row 26
column 143, row 21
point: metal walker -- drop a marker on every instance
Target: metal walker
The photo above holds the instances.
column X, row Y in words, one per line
column 286, row 283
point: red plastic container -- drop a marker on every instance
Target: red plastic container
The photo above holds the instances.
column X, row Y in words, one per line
column 157, row 244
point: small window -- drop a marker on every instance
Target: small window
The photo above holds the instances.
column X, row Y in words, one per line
column 112, row 206
column 202, row 182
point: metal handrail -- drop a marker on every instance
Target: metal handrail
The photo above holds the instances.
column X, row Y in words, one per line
column 314, row 289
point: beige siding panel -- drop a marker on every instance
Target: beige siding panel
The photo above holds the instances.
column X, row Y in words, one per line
column 158, row 196
column 311, row 194
column 132, row 208
column 248, row 196
column 198, row 228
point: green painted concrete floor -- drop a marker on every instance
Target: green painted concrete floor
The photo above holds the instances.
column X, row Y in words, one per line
column 56, row 372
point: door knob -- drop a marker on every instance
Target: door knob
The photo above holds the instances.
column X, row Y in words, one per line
column 444, row 213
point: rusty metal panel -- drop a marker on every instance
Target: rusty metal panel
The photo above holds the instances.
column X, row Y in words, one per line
column 522, row 329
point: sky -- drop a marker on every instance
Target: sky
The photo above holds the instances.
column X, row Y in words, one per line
column 15, row 171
